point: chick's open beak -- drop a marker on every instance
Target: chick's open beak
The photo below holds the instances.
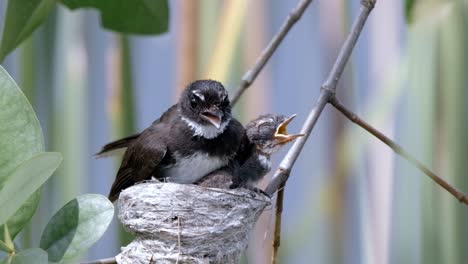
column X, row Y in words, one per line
column 214, row 115
column 281, row 134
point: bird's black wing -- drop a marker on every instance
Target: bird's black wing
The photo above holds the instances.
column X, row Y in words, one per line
column 140, row 162
column 107, row 149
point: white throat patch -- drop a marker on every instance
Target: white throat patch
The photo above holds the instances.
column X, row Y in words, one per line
column 207, row 131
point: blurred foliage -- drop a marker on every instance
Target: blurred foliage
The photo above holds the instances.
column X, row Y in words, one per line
column 20, row 139
column 147, row 17
column 28, row 256
column 433, row 127
column 27, row 178
column 75, row 227
column 23, row 170
column 125, row 115
column 409, row 5
column 23, row 17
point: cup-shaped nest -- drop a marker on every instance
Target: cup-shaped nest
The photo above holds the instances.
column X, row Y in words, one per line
column 187, row 223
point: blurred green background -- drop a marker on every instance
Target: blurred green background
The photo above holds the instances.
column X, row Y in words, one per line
column 349, row 198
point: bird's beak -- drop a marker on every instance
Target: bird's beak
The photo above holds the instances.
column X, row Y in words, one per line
column 281, row 134
column 214, row 115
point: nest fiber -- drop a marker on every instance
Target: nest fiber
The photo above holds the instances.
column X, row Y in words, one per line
column 180, row 223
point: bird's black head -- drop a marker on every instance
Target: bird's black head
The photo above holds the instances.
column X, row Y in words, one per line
column 205, row 107
column 269, row 132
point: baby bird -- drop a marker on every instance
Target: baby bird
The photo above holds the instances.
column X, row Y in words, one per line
column 267, row 134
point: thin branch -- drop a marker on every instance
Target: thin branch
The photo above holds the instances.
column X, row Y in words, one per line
column 398, row 150
column 327, row 92
column 251, row 74
column 278, row 220
column 102, row 261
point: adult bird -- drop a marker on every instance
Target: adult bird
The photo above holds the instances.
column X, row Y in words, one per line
column 191, row 139
column 266, row 135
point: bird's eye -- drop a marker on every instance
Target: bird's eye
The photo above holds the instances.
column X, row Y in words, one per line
column 264, row 127
column 193, row 102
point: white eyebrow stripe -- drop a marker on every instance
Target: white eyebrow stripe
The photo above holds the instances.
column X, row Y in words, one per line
column 265, row 121
column 199, row 95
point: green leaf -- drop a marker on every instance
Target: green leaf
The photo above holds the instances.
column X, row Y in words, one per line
column 22, row 18
column 22, row 215
column 7, row 238
column 409, row 6
column 76, row 226
column 146, row 17
column 25, row 180
column 4, row 247
column 29, row 256
column 5, row 260
column 20, row 138
column 20, row 132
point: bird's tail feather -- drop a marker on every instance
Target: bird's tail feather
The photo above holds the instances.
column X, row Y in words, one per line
column 110, row 148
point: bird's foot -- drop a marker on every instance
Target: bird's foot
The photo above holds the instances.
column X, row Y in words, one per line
column 256, row 190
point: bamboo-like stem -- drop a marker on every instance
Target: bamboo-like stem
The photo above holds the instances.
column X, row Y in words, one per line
column 398, row 150
column 252, row 73
column 187, row 45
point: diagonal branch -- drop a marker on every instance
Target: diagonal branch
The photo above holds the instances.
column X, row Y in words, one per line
column 398, row 150
column 251, row 74
column 327, row 92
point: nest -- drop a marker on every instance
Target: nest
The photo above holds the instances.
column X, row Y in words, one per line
column 180, row 223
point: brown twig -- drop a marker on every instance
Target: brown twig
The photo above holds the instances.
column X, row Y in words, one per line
column 398, row 149
column 278, row 220
column 102, row 261
column 252, row 73
column 328, row 90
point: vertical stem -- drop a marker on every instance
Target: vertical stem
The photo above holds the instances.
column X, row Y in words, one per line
column 278, row 217
column 252, row 105
column 127, row 98
column 454, row 151
column 187, row 55
column 126, row 123
column 332, row 33
column 231, row 19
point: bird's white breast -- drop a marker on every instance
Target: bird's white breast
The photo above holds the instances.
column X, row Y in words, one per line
column 192, row 168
